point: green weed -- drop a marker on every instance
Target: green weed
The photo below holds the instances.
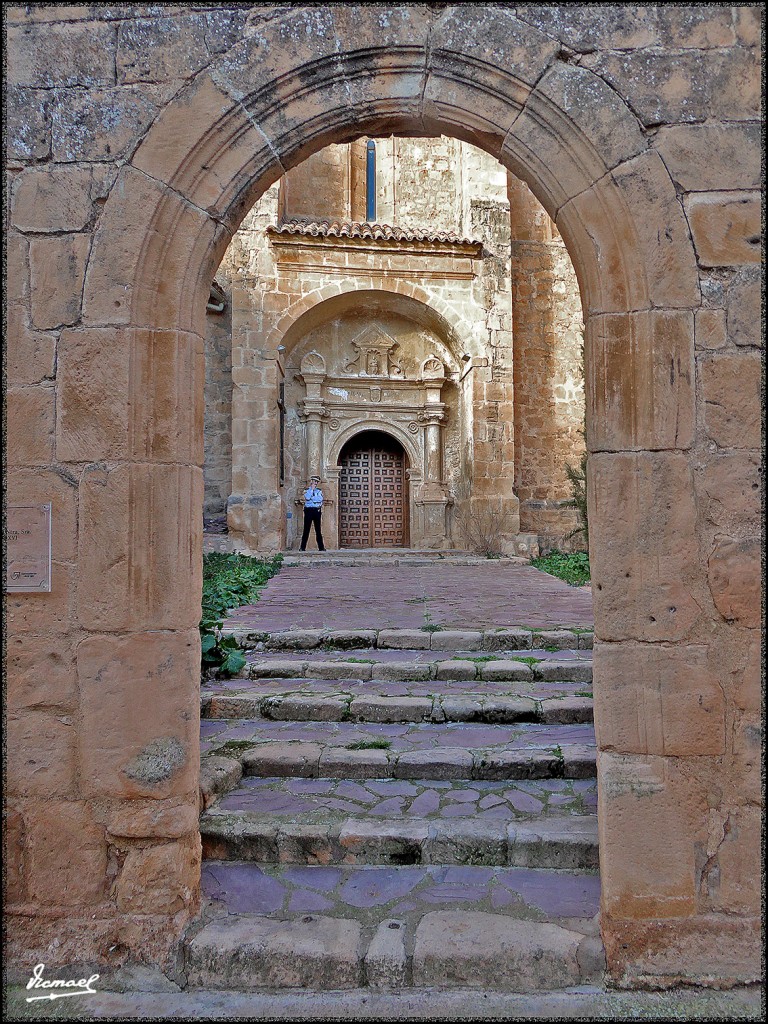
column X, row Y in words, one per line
column 370, row 745
column 573, row 568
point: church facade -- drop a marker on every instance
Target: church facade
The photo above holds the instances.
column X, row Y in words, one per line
column 399, row 317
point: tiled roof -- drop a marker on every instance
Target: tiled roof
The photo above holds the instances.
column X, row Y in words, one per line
column 385, row 232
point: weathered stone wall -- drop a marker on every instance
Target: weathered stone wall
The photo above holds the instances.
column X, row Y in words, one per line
column 135, row 142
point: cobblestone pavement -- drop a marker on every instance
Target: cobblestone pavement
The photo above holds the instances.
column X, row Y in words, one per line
column 497, row 801
column 388, row 892
column 537, row 689
column 397, row 737
column 400, row 597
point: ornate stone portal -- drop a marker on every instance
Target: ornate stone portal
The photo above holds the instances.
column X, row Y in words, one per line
column 371, row 390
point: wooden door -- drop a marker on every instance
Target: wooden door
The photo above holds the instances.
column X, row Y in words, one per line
column 371, row 497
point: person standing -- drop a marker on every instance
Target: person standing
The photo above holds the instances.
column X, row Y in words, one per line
column 313, row 510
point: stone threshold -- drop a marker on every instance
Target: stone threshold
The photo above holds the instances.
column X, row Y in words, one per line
column 446, row 947
column 132, row 993
column 561, row 842
column 373, row 707
column 506, row 638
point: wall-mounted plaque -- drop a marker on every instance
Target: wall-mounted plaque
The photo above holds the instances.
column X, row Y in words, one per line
column 28, row 548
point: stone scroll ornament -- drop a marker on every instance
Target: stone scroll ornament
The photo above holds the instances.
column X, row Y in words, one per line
column 432, row 367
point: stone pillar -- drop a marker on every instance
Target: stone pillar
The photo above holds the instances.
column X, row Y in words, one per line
column 433, row 496
column 254, row 508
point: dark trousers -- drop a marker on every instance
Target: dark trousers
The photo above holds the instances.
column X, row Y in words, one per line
column 312, row 515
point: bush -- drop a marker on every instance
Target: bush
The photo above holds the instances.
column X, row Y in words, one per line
column 485, row 529
column 229, row 581
column 573, row 568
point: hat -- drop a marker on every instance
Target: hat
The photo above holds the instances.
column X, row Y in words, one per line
column 314, row 478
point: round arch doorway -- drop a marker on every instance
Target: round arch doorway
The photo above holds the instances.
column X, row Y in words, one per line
column 373, row 505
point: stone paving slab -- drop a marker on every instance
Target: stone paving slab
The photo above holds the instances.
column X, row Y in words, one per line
column 371, row 706
column 465, row 597
column 508, row 638
column 118, row 999
column 569, row 666
column 371, row 894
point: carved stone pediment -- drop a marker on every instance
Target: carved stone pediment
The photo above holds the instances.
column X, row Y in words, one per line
column 432, row 368
column 375, row 354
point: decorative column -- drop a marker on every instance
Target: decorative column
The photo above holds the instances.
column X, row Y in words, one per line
column 433, row 496
column 312, row 377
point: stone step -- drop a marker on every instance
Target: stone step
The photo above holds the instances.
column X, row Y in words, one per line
column 349, row 927
column 395, row 557
column 506, row 638
column 364, row 664
column 364, row 701
column 329, row 821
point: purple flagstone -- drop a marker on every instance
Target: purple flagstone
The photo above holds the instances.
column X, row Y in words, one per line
column 391, row 806
column 468, row 875
column 314, row 786
column 462, row 796
column 394, row 788
column 354, row 791
column 267, row 803
column 305, row 901
column 501, row 898
column 559, row 800
column 496, row 813
column 244, row 888
column 346, row 806
column 459, row 810
column 322, row 879
column 373, row 887
column 427, row 802
column 524, row 803
column 446, row 893
column 490, row 801
column 564, row 895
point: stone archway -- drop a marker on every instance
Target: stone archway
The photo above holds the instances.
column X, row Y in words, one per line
column 303, row 79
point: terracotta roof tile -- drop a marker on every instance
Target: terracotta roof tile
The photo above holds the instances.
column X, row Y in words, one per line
column 346, row 229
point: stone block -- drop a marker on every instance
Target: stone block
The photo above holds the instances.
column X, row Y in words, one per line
column 238, row 836
column 31, row 354
column 558, row 639
column 36, row 55
column 26, row 486
column 102, row 124
column 294, row 640
column 355, row 764
column 720, row 155
column 650, row 825
column 31, row 426
column 154, row 819
column 309, row 709
column 709, row 329
column 57, row 270
column 248, row 952
column 403, row 639
column 457, row 640
column 218, row 775
column 586, row 29
column 464, row 948
column 507, row 638
column 466, row 842
column 435, row 763
column 123, row 751
column 28, row 124
column 743, row 307
column 516, row 764
column 348, row 639
column 386, row 962
column 283, row 760
column 52, row 200
column 514, row 671
column 160, row 879
column 383, row 842
column 66, row 854
column 661, row 700
column 401, row 670
column 552, row 670
column 274, row 669
column 455, row 669
column 565, row 844
column 41, row 752
column 726, row 227
column 308, row 843
column 41, row 672
column 566, row 710
column 140, row 534
column 642, row 381
column 572, row 103
column 645, row 570
column 339, row 669
column 46, row 614
column 14, row 857
column 390, row 709
column 155, row 49
column 94, row 399
column 730, row 386
column 735, row 579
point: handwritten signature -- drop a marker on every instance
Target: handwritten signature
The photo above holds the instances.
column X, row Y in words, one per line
column 80, row 988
